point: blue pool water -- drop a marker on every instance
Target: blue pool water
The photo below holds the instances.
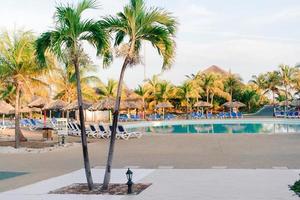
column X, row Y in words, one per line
column 228, row 127
column 7, row 175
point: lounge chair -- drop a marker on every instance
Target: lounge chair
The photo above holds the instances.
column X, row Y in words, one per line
column 239, row 115
column 122, row 130
column 93, row 132
column 120, row 135
column 103, row 132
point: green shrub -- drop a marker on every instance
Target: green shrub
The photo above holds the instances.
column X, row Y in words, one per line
column 296, row 188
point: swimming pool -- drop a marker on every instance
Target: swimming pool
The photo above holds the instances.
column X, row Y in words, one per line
column 231, row 126
column 7, row 175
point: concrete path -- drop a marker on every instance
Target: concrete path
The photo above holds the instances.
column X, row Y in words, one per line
column 176, row 184
column 162, row 151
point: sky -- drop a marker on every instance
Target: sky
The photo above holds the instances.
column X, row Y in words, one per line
column 246, row 37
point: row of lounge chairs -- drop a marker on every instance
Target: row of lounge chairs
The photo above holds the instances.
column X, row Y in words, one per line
column 99, row 131
column 289, row 114
column 221, row 115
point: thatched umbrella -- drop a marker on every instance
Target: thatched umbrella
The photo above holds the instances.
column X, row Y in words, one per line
column 104, row 104
column 5, row 109
column 39, row 102
column 284, row 103
column 55, row 105
column 202, row 104
column 234, row 104
column 28, row 110
column 74, row 105
column 164, row 105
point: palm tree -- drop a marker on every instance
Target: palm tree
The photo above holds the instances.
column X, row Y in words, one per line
column 286, row 74
column 207, row 83
column 249, row 97
column 185, row 92
column 143, row 92
column 231, row 83
column 19, row 69
column 137, row 23
column 109, row 90
column 68, row 36
column 152, row 87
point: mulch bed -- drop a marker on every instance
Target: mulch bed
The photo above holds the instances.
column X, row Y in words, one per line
column 113, row 189
column 30, row 144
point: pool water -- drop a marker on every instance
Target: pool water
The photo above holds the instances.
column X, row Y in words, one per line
column 220, row 128
column 7, row 175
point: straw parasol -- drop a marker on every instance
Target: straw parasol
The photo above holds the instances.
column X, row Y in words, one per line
column 38, row 102
column 74, row 105
column 202, row 104
column 55, row 105
column 104, row 104
column 296, row 103
column 234, row 104
column 28, row 110
column 164, row 105
column 5, row 109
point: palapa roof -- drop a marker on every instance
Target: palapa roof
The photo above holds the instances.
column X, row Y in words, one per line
column 104, row 104
column 164, row 105
column 55, row 105
column 202, row 104
column 38, row 102
column 28, row 110
column 74, row 105
column 6, row 108
column 215, row 69
column 234, row 104
column 130, row 104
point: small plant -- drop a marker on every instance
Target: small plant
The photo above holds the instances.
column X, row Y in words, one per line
column 296, row 187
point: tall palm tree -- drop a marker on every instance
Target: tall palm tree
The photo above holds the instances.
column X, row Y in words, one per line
column 272, row 82
column 286, row 74
column 143, row 92
column 152, row 87
column 232, row 82
column 19, row 69
column 137, row 23
column 185, row 92
column 207, row 83
column 68, row 35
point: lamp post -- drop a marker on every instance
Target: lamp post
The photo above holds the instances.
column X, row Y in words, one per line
column 129, row 182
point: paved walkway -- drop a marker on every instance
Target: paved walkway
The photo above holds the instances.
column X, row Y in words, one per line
column 162, row 151
column 176, row 184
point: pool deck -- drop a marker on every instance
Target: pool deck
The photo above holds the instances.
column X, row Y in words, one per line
column 162, row 152
column 174, row 184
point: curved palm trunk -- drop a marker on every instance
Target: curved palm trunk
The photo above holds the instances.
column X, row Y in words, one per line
column 82, row 124
column 18, row 133
column 114, row 128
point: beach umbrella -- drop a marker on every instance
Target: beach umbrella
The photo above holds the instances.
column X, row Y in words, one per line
column 55, row 105
column 39, row 102
column 234, row 104
column 5, row 109
column 202, row 104
column 104, row 104
column 74, row 105
column 164, row 105
column 28, row 110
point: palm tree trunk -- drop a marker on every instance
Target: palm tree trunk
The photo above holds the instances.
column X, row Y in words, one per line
column 18, row 133
column 82, row 124
column 273, row 102
column 207, row 96
column 114, row 128
column 286, row 101
column 17, row 118
column 187, row 106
